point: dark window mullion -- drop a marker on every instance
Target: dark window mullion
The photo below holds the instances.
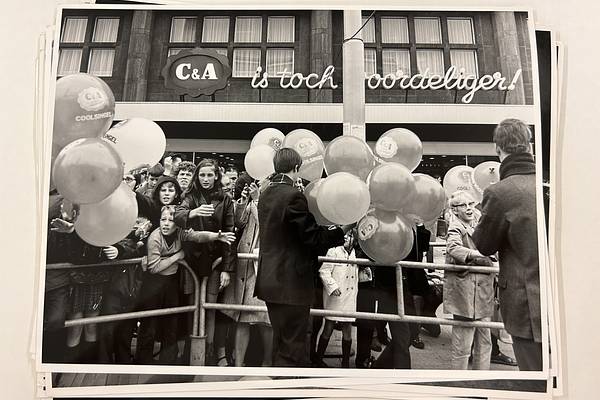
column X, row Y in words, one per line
column 231, row 43
column 445, row 43
column 199, row 26
column 378, row 46
column 413, row 45
column 85, row 48
column 263, row 42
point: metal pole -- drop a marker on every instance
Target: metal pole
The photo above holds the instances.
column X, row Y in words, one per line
column 354, row 76
column 130, row 315
column 364, row 315
column 202, row 327
column 196, row 300
column 112, row 263
column 405, row 264
column 399, row 291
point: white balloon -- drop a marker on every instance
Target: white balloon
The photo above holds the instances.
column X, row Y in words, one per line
column 271, row 136
column 259, row 161
column 139, row 141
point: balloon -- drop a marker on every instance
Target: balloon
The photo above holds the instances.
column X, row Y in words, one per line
column 349, row 154
column 311, row 149
column 259, row 161
column 139, row 141
column 461, row 178
column 385, row 236
column 271, row 136
column 87, row 171
column 391, row 186
column 428, row 201
column 343, row 198
column 107, row 222
column 485, row 174
column 311, row 192
column 84, row 107
column 400, row 145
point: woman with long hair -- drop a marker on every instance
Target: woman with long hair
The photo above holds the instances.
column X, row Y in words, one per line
column 241, row 291
column 205, row 207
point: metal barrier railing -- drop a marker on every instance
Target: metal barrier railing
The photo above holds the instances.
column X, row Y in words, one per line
column 401, row 316
column 195, row 308
column 200, row 305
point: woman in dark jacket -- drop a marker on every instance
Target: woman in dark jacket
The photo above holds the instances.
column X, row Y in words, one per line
column 206, row 208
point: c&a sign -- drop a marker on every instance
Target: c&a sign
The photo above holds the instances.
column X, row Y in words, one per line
column 196, row 71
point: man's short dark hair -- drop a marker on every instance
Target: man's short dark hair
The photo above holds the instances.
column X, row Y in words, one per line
column 285, row 160
column 156, row 170
column 186, row 166
column 231, row 169
column 512, row 136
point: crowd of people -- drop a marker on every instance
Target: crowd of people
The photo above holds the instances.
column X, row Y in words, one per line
column 198, row 217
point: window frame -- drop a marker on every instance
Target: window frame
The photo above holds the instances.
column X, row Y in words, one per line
column 230, row 45
column 412, row 46
column 88, row 44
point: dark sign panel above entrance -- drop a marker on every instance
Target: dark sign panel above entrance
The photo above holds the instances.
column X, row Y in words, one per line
column 196, row 72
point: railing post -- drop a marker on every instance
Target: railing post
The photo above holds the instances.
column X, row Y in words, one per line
column 399, row 290
column 198, row 337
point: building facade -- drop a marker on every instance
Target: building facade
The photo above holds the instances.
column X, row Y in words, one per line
column 129, row 48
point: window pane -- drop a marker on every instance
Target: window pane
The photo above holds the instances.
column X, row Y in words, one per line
column 427, row 30
column 430, row 62
column 215, row 30
column 101, row 62
column 466, row 59
column 368, row 32
column 248, row 29
column 220, row 50
column 106, row 30
column 396, row 60
column 370, row 62
column 183, row 29
column 394, row 30
column 69, row 61
column 174, row 50
column 460, row 31
column 245, row 62
column 279, row 60
column 280, row 30
column 74, row 30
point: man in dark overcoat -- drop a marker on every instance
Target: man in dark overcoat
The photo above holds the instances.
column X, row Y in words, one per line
column 290, row 242
column 508, row 225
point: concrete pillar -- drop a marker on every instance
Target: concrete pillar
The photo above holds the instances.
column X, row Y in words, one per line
column 505, row 27
column 354, row 76
column 321, row 52
column 138, row 57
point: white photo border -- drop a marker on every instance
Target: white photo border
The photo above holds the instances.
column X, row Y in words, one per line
column 202, row 370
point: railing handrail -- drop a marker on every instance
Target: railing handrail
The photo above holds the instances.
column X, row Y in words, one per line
column 405, row 264
column 195, row 308
column 109, row 263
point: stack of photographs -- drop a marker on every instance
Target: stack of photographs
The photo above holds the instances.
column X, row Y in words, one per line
column 210, row 77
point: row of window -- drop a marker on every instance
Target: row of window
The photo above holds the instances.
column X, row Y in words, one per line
column 271, row 37
column 428, row 45
column 431, row 51
column 75, row 39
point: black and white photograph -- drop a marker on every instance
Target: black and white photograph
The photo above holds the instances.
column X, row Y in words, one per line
column 293, row 192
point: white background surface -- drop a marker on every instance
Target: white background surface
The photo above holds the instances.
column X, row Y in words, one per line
column 577, row 27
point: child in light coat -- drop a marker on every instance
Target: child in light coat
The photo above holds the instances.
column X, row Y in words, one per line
column 340, row 288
